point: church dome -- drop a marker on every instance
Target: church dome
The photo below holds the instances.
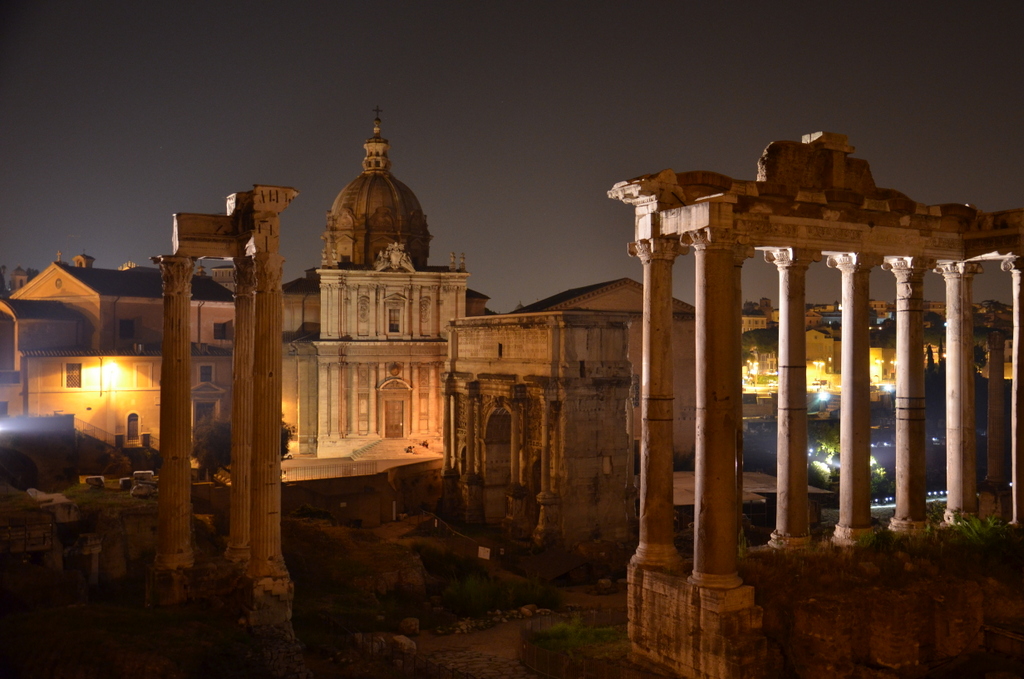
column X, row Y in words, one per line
column 373, row 211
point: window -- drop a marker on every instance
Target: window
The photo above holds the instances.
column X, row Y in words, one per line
column 73, row 375
column 126, row 328
column 3, row 408
column 220, row 331
column 393, row 318
column 501, row 350
column 206, row 373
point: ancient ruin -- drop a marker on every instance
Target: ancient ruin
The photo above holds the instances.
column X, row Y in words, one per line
column 247, row 234
column 811, row 199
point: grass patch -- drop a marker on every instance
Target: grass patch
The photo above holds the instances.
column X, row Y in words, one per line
column 574, row 638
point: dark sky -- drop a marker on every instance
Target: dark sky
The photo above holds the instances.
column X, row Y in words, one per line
column 509, row 120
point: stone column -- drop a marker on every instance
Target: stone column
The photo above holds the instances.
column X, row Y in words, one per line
column 961, row 454
column 717, row 351
column 910, row 406
column 174, row 503
column 266, row 559
column 373, row 425
column 516, row 439
column 995, row 472
column 547, row 530
column 657, row 544
column 433, row 371
column 450, row 476
column 1014, row 266
column 855, row 418
column 791, row 520
column 472, row 480
column 241, row 412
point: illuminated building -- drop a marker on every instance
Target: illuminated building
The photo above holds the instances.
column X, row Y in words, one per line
column 86, row 341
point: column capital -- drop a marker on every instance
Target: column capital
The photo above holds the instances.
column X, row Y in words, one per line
column 650, row 249
column 717, row 238
column 245, row 276
column 852, row 262
column 1013, row 264
column 996, row 340
column 268, row 268
column 957, row 269
column 788, row 258
column 902, row 267
column 176, row 274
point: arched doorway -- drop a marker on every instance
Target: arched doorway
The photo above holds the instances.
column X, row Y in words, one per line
column 131, row 437
column 396, row 409
column 497, row 463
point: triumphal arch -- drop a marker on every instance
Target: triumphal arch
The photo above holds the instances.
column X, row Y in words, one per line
column 811, row 200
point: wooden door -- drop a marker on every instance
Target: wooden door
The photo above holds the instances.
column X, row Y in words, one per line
column 394, row 419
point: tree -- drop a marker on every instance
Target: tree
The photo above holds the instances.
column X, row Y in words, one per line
column 761, row 340
column 211, row 444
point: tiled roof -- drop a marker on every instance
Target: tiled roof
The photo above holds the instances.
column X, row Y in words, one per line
column 569, row 298
column 143, row 282
column 471, row 294
column 146, row 350
column 306, row 285
column 36, row 309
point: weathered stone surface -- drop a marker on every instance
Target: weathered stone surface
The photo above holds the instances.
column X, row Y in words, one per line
column 403, row 643
column 409, row 627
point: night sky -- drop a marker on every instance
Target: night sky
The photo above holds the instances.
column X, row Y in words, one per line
column 509, row 120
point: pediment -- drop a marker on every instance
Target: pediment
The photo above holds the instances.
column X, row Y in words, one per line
column 54, row 283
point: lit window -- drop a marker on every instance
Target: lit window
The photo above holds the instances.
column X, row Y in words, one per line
column 393, row 316
column 206, row 373
column 73, row 375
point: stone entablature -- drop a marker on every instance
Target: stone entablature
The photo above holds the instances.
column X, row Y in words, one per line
column 537, row 436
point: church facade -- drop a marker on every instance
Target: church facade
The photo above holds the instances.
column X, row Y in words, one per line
column 368, row 366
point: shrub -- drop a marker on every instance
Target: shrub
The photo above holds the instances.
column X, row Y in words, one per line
column 565, row 637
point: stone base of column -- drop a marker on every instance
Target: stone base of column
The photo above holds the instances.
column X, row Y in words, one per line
column 451, row 496
column 548, row 531
column 517, row 520
column 712, row 581
column 167, row 587
column 844, row 536
column 269, row 601
column 238, row 555
column 780, row 541
column 906, row 525
column 995, row 501
column 663, row 558
column 473, row 498
column 694, row 631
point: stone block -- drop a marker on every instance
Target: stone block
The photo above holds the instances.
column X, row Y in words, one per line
column 409, row 627
column 403, row 643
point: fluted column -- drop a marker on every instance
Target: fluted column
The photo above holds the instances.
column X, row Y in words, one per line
column 791, row 522
column 911, row 489
column 241, row 412
column 174, row 504
column 995, row 471
column 473, row 482
column 1013, row 265
column 717, row 351
column 516, row 440
column 266, row 558
column 657, row 546
column 855, row 418
column 961, row 454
